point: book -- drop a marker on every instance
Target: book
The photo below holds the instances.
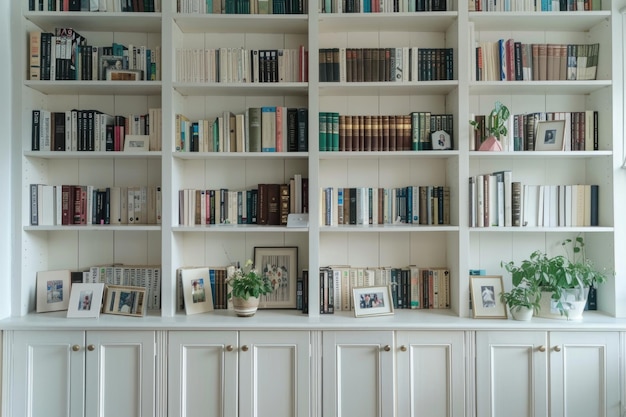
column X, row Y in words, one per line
column 268, row 129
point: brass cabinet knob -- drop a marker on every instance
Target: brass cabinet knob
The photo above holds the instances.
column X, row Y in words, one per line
column 557, row 348
column 91, row 348
column 403, row 348
column 75, row 348
column 244, row 348
column 229, row 348
column 541, row 348
column 387, row 348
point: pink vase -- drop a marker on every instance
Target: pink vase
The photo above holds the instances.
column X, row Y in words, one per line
column 491, row 144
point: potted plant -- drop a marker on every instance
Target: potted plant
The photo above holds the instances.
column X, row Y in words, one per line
column 563, row 280
column 245, row 286
column 522, row 300
column 495, row 124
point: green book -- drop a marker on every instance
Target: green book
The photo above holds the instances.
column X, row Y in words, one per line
column 254, row 129
column 334, row 142
column 323, row 131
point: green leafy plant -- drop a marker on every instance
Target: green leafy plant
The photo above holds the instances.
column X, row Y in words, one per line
column 495, row 121
column 526, row 295
column 247, row 282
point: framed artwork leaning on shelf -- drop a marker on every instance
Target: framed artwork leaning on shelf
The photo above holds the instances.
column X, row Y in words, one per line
column 85, row 300
column 197, row 290
column 279, row 265
column 372, row 301
column 485, row 294
column 550, row 135
column 125, row 300
column 53, row 290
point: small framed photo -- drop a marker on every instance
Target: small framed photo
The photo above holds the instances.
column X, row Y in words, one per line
column 125, row 300
column 372, row 301
column 136, row 143
column 53, row 290
column 549, row 135
column 441, row 140
column 280, row 266
column 124, row 75
column 108, row 62
column 85, row 300
column 485, row 293
column 197, row 290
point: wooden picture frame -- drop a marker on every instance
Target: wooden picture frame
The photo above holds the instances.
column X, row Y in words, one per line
column 136, row 143
column 485, row 292
column 108, row 62
column 280, row 266
column 197, row 290
column 85, row 300
column 550, row 135
column 53, row 290
column 125, row 300
column 124, row 75
column 372, row 301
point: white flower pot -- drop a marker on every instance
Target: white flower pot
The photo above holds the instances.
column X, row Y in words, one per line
column 573, row 301
column 521, row 313
column 245, row 308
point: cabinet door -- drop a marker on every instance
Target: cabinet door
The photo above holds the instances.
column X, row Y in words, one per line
column 120, row 374
column 357, row 373
column 48, row 372
column 584, row 374
column 202, row 374
column 431, row 373
column 511, row 374
column 274, row 374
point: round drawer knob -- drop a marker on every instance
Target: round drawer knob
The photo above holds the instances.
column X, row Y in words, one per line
column 403, row 348
column 541, row 348
column 75, row 348
column 91, row 348
column 387, row 348
column 244, row 348
column 229, row 348
column 557, row 348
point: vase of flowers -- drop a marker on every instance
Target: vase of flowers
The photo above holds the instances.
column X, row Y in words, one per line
column 246, row 285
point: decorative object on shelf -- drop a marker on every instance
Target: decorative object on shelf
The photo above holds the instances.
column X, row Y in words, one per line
column 125, row 300
column 563, row 280
column 550, row 135
column 484, row 293
column 522, row 300
column 496, row 126
column 246, row 285
column 372, row 301
column 53, row 290
column 279, row 265
column 85, row 300
column 197, row 291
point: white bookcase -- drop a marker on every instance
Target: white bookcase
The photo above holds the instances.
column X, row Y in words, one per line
column 455, row 246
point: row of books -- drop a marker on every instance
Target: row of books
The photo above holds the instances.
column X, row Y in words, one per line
column 382, row 6
column 239, row 65
column 268, row 204
column 144, row 276
column 495, row 200
column 243, row 6
column 534, row 6
column 417, row 131
column 258, row 129
column 412, row 287
column 509, row 60
column 92, row 130
column 401, row 64
column 52, row 205
column 425, row 205
column 95, row 5
column 580, row 131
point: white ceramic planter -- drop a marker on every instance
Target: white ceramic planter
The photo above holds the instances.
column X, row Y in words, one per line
column 522, row 313
column 573, row 301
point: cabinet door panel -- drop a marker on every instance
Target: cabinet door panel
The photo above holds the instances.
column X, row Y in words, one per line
column 48, row 376
column 358, row 374
column 274, row 374
column 120, row 374
column 431, row 373
column 584, row 377
column 202, row 374
column 511, row 374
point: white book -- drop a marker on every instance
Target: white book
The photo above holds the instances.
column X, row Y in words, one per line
column 508, row 199
column 493, row 201
column 561, row 203
column 554, row 206
column 541, row 205
column 480, row 201
column 46, row 205
column 531, row 203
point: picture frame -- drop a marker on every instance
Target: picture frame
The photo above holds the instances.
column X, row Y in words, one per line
column 136, row 143
column 372, row 301
column 85, row 300
column 550, row 135
column 441, row 140
column 124, row 75
column 197, row 292
column 53, row 290
column 485, row 293
column 125, row 300
column 110, row 62
column 280, row 265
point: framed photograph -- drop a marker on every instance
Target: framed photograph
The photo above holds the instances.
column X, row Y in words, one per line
column 125, row 300
column 53, row 290
column 197, row 290
column 85, row 300
column 124, row 75
column 485, row 293
column 280, row 266
column 372, row 301
column 108, row 62
column 136, row 143
column 550, row 135
column 441, row 140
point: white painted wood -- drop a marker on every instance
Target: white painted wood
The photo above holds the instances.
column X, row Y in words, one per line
column 430, row 368
column 358, row 374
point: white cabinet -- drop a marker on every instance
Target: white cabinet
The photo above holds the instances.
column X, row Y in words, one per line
column 538, row 373
column 75, row 373
column 248, row 373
